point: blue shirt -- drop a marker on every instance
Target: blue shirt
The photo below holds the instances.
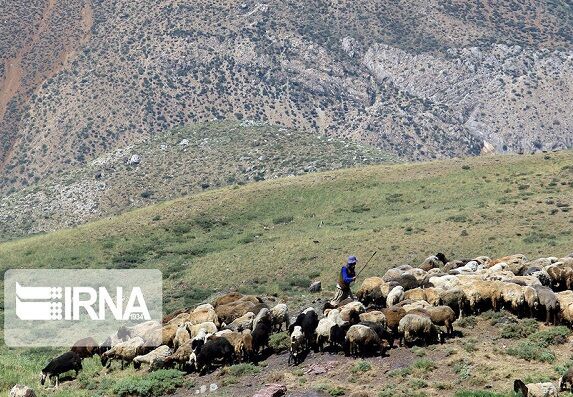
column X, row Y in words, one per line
column 345, row 276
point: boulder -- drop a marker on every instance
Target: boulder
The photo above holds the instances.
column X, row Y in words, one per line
column 22, row 391
column 134, row 159
column 315, row 286
column 271, row 390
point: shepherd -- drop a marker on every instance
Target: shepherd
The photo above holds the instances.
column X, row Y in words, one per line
column 346, row 276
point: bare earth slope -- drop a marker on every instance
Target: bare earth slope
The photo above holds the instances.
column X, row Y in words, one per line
column 423, row 79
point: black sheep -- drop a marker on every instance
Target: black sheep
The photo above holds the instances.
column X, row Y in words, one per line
column 214, row 350
column 338, row 335
column 64, row 363
column 261, row 335
column 308, row 321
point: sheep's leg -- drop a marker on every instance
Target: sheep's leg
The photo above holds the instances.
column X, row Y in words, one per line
column 57, row 381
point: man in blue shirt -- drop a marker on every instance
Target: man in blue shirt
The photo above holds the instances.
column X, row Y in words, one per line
column 346, row 276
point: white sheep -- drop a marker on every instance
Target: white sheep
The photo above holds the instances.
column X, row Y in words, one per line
column 181, row 336
column 546, row 389
column 296, row 345
column 414, row 326
column 159, row 353
column 123, row 351
column 208, row 327
column 395, row 296
column 280, row 315
column 242, row 323
column 323, row 331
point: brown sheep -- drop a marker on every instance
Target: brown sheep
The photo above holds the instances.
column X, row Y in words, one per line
column 86, row 347
column 393, row 317
column 443, row 315
column 454, row 298
column 361, row 340
column 229, row 312
column 371, row 291
column 566, row 381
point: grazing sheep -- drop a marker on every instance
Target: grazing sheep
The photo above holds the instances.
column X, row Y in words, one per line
column 206, row 314
column 351, row 310
column 64, row 363
column 124, row 351
column 566, row 381
column 264, row 315
column 237, row 340
column 371, row 291
column 181, row 336
column 227, row 298
column 395, row 296
column 444, row 282
column 182, row 354
column 214, row 351
column 531, row 300
column 296, row 348
column 86, row 347
column 482, row 295
column 194, row 329
column 374, row 316
column 546, row 389
column 308, row 321
column 416, row 294
column 565, row 301
column 413, row 327
column 280, row 315
column 261, row 335
column 434, row 261
column 548, row 303
column 322, row 332
column 393, row 316
column 160, row 353
column 454, row 298
column 338, row 335
column 513, row 297
column 409, row 305
column 138, row 330
column 242, row 323
column 227, row 313
column 444, row 316
column 361, row 339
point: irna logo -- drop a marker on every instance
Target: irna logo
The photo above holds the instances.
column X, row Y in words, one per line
column 57, row 307
column 68, row 303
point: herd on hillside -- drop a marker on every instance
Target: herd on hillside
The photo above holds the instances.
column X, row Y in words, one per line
column 415, row 305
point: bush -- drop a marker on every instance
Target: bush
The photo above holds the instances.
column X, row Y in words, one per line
column 279, row 342
column 154, row 384
column 425, row 365
column 550, row 336
column 520, row 330
column 241, row 369
column 467, row 322
column 361, row 366
column 531, row 352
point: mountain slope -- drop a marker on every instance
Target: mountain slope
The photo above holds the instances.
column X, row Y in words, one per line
column 276, row 235
column 422, row 79
column 170, row 165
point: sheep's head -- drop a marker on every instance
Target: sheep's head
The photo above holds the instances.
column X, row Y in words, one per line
column 136, row 364
column 104, row 358
column 192, row 361
column 43, row 377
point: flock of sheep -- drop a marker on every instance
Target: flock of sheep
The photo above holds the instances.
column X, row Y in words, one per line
column 416, row 305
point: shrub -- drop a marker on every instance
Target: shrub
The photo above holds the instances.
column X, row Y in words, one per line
column 520, row 330
column 467, row 322
column 531, row 352
column 425, row 365
column 154, row 384
column 361, row 366
column 279, row 342
column 550, row 336
column 241, row 369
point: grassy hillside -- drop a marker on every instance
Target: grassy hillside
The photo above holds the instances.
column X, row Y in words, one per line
column 277, row 234
column 182, row 161
column 274, row 236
